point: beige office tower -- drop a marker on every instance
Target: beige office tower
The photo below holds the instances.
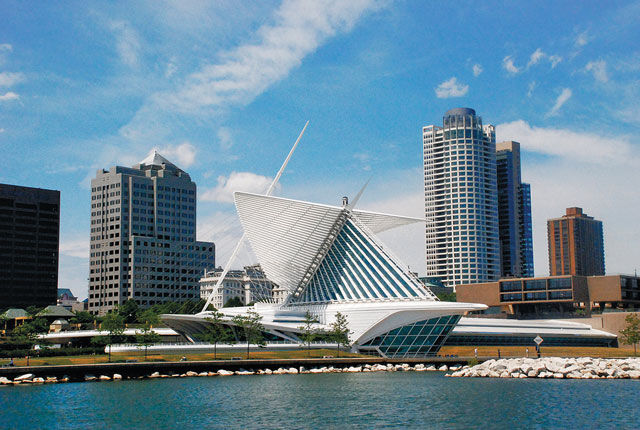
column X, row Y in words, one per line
column 143, row 236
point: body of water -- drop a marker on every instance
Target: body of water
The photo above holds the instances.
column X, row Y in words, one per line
column 358, row 400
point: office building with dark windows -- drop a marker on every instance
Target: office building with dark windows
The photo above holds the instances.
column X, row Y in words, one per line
column 29, row 246
column 555, row 296
column 576, row 244
column 461, row 200
column 143, row 236
column 514, row 213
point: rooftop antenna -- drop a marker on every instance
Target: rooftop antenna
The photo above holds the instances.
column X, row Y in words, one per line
column 268, row 193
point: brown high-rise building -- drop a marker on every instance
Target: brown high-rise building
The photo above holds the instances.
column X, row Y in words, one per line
column 576, row 245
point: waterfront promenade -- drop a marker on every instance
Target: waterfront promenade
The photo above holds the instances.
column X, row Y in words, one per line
column 77, row 372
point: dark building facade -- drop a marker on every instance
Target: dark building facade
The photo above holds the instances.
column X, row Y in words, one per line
column 576, row 244
column 29, row 246
column 143, row 236
column 514, row 213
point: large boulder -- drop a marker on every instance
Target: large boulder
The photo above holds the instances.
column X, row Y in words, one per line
column 25, row 377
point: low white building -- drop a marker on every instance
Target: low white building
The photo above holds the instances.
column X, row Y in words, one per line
column 249, row 285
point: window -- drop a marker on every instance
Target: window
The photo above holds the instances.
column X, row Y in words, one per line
column 535, row 284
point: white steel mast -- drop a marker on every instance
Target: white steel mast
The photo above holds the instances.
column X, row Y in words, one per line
column 237, row 248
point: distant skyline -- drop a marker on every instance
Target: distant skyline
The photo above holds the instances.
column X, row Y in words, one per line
column 223, row 90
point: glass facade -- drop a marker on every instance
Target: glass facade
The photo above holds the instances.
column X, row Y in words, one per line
column 511, row 286
column 355, row 268
column 424, row 338
column 560, row 284
column 535, row 284
column 505, row 340
column 514, row 213
column 526, row 232
column 536, row 289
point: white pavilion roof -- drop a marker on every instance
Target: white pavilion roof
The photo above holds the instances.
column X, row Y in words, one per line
column 286, row 235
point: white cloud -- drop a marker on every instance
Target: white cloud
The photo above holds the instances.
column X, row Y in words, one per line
column 582, row 39
column 183, row 154
column 9, row 96
column 237, row 181
column 477, row 69
column 75, row 248
column 509, row 66
column 171, row 69
column 5, row 49
column 535, row 57
column 248, row 70
column 225, row 138
column 451, row 88
column 561, row 100
column 555, row 59
column 2, row 130
column 599, row 70
column 531, row 87
column 127, row 43
column 582, row 147
column 538, row 55
column 365, row 160
column 8, row 79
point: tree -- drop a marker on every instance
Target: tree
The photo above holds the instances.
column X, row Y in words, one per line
column 216, row 332
column 447, row 297
column 309, row 332
column 84, row 318
column 339, row 332
column 146, row 336
column 113, row 323
column 34, row 310
column 630, row 334
column 129, row 311
column 252, row 328
column 24, row 336
column 233, row 302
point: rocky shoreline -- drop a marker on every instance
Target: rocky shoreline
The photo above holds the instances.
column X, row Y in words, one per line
column 554, row 367
column 548, row 367
column 30, row 378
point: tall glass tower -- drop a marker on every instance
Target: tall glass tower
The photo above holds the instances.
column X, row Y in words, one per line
column 514, row 213
column 461, row 199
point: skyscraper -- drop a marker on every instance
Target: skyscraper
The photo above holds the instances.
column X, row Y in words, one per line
column 461, row 201
column 576, row 244
column 514, row 213
column 143, row 236
column 29, row 246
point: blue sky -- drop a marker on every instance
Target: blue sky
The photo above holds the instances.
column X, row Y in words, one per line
column 223, row 88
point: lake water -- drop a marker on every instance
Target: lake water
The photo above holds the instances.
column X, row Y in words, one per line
column 360, row 400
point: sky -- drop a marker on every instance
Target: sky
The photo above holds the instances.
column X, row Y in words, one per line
column 223, row 89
